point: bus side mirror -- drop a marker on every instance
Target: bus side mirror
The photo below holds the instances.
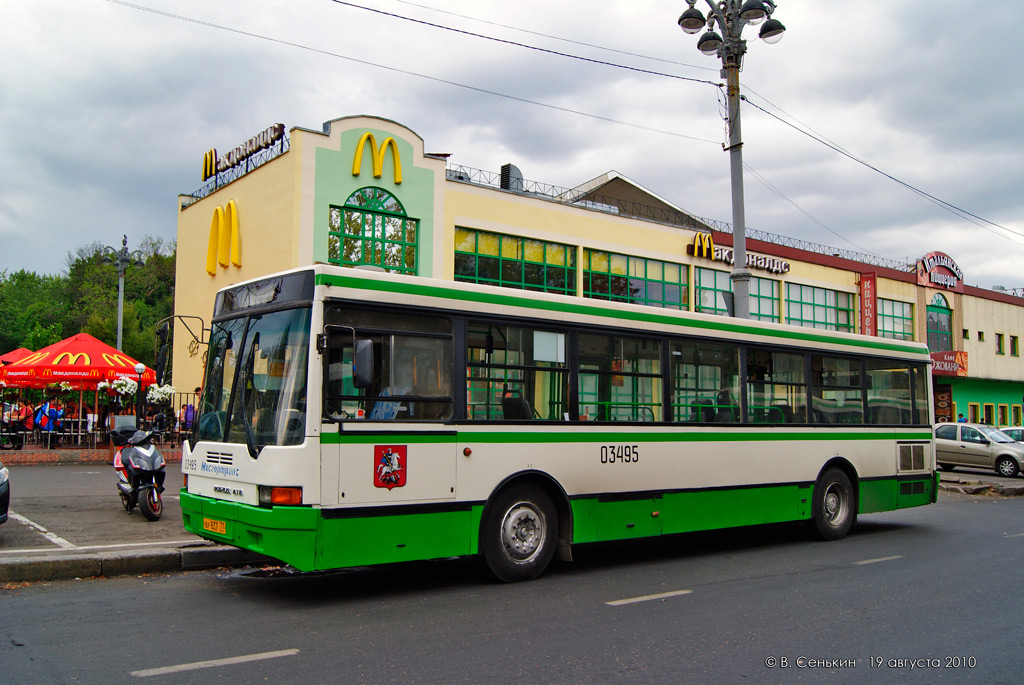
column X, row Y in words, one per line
column 362, row 366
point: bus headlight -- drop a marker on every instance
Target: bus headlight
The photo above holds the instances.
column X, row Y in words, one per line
column 272, row 494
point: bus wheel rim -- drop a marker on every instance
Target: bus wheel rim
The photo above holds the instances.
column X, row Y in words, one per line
column 834, row 504
column 522, row 532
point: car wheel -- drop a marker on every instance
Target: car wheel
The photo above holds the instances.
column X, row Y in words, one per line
column 947, row 467
column 1007, row 467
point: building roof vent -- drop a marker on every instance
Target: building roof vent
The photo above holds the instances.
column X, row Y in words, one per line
column 511, row 178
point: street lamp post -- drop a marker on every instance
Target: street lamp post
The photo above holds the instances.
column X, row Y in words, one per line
column 121, row 259
column 730, row 17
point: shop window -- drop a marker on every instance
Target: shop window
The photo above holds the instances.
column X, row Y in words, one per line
column 372, row 229
column 999, row 344
column 939, row 325
column 621, row 278
column 512, row 262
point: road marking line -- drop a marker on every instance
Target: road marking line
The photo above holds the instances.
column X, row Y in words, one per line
column 196, row 665
column 95, row 547
column 52, row 537
column 875, row 561
column 1016, row 535
column 648, row 598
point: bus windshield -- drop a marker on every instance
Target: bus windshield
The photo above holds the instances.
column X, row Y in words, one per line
column 255, row 388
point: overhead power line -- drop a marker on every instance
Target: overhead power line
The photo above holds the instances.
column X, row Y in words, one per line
column 556, row 53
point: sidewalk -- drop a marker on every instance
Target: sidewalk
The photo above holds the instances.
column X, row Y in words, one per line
column 66, row 521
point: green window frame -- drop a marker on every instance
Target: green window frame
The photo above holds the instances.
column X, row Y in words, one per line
column 1014, row 346
column 895, row 319
column 512, row 262
column 621, row 278
column 813, row 307
column 711, row 286
column 1000, row 348
column 939, row 325
column 372, row 228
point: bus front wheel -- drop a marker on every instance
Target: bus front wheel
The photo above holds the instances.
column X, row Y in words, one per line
column 519, row 534
column 833, row 512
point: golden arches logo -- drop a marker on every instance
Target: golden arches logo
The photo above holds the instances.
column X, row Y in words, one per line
column 117, row 360
column 33, row 358
column 703, row 245
column 223, row 247
column 73, row 358
column 210, row 164
column 378, row 156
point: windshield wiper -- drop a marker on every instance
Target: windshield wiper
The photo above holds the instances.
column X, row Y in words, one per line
column 247, row 382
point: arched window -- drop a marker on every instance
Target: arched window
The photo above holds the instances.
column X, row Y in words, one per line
column 372, row 228
column 940, row 324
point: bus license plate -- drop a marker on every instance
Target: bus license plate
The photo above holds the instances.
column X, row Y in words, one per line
column 214, row 526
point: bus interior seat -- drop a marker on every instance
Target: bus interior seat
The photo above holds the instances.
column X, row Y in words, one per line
column 782, row 413
column 703, row 411
column 515, row 407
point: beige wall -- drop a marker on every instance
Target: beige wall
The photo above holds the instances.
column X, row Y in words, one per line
column 991, row 317
column 268, row 242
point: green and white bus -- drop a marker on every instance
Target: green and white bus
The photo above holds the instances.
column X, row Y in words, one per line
column 351, row 418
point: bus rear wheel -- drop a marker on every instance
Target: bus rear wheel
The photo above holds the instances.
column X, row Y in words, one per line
column 519, row 534
column 833, row 512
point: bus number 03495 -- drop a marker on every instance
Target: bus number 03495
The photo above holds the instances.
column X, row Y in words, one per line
column 625, row 454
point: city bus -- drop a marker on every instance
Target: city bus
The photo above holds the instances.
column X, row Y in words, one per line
column 351, row 418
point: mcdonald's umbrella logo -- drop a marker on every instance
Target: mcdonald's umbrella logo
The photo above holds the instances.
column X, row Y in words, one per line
column 378, row 156
column 223, row 247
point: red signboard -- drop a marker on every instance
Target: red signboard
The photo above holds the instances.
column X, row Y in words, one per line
column 938, row 270
column 868, row 304
column 949, row 363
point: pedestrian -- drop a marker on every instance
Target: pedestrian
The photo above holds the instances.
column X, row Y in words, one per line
column 960, row 418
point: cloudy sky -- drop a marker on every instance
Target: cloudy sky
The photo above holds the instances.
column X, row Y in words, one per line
column 107, row 107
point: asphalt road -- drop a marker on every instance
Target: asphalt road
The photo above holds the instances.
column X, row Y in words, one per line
column 921, row 595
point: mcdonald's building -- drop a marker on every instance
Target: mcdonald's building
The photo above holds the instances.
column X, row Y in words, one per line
column 364, row 191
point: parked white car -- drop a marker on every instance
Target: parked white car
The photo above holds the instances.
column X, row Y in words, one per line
column 977, row 445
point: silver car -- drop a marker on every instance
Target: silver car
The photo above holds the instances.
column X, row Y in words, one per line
column 977, row 445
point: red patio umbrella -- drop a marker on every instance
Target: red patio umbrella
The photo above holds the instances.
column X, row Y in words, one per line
column 81, row 361
column 15, row 355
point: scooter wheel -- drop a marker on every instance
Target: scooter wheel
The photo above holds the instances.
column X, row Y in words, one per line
column 127, row 502
column 151, row 505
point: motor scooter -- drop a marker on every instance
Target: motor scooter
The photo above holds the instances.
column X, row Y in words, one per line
column 140, row 470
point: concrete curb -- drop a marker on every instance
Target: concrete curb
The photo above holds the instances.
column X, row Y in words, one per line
column 979, row 488
column 69, row 565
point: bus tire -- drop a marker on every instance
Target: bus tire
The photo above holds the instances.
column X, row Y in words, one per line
column 833, row 511
column 519, row 534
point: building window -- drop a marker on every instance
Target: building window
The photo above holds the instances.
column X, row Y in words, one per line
column 939, row 325
column 973, row 412
column 990, row 414
column 1016, row 411
column 511, row 262
column 764, row 299
column 967, row 334
column 712, row 287
column 895, row 319
column 1004, row 415
column 372, row 229
column 610, row 276
column 1014, row 346
column 819, row 308
column 999, row 344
